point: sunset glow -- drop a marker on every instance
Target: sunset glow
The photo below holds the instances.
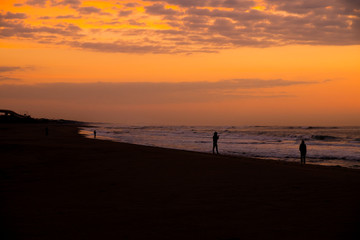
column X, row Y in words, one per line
column 240, row 62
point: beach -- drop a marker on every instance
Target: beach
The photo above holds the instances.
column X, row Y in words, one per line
column 65, row 186
column 327, row 145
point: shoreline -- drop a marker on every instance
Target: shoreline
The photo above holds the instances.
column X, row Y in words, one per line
column 310, row 160
column 66, row 186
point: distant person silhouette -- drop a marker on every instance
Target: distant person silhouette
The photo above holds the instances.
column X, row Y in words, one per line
column 215, row 145
column 302, row 149
column 94, row 133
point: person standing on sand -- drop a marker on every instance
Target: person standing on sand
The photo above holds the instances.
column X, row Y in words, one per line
column 94, row 133
column 215, row 140
column 302, row 149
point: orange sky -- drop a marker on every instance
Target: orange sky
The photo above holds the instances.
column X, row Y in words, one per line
column 208, row 62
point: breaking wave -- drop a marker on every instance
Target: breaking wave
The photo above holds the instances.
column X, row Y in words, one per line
column 326, row 145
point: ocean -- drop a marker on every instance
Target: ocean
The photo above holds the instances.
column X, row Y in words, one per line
column 330, row 146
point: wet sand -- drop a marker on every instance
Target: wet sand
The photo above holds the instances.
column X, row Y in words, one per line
column 64, row 186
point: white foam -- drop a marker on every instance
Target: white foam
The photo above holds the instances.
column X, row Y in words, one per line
column 268, row 142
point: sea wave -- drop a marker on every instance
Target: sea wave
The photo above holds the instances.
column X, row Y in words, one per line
column 327, row 144
column 324, row 137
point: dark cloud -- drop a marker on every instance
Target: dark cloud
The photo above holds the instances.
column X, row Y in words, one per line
column 89, row 10
column 67, row 17
column 210, row 3
column 19, row 29
column 120, row 47
column 223, row 27
column 193, row 23
column 44, row 17
column 124, row 13
column 132, row 5
column 353, row 3
column 4, row 78
column 71, row 28
column 259, row 83
column 144, row 92
column 61, row 17
column 205, row 26
column 10, row 15
column 40, row 3
column 136, row 23
column 14, row 68
column 300, row 6
column 159, row 9
column 240, row 16
column 72, row 3
column 323, row 22
column 319, row 6
column 10, row 69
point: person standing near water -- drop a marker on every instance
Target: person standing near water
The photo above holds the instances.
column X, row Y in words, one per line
column 94, row 133
column 215, row 140
column 302, row 149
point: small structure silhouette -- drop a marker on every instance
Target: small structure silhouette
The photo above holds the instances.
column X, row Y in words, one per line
column 11, row 116
column 215, row 145
column 8, row 116
column 302, row 149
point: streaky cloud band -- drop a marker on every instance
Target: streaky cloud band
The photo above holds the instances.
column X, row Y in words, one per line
column 150, row 92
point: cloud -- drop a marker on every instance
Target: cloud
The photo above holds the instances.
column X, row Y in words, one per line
column 72, row 3
column 124, row 13
column 61, row 17
column 40, row 3
column 68, row 17
column 258, row 83
column 209, row 3
column 307, row 6
column 45, row 17
column 10, row 69
column 132, row 5
column 89, row 10
column 146, row 92
column 300, row 6
column 136, row 23
column 22, row 30
column 204, row 26
column 120, row 47
column 318, row 23
column 4, row 78
column 159, row 9
column 10, row 15
column 355, row 4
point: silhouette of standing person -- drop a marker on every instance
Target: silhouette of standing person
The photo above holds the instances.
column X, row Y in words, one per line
column 302, row 149
column 215, row 145
column 94, row 133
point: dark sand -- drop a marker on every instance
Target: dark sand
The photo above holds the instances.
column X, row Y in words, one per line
column 64, row 186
